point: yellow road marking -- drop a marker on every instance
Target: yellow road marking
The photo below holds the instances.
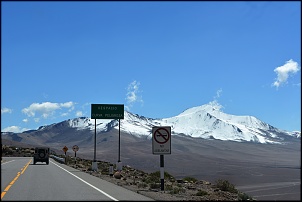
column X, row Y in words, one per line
column 2, row 194
column 7, row 188
column 15, row 179
column 25, row 167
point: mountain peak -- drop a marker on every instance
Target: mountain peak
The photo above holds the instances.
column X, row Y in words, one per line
column 206, row 121
column 208, row 108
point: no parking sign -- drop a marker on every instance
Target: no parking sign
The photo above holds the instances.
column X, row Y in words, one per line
column 161, row 140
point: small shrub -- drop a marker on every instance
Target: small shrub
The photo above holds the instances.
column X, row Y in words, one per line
column 177, row 190
column 26, row 150
column 155, row 177
column 189, row 179
column 168, row 187
column 225, row 185
column 155, row 185
column 201, row 193
column 87, row 163
column 142, row 185
column 152, row 178
column 245, row 197
column 168, row 176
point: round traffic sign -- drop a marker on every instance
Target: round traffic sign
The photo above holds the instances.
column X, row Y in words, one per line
column 161, row 135
column 75, row 148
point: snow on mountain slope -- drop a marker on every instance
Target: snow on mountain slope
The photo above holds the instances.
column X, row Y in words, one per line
column 87, row 123
column 137, row 125
column 205, row 121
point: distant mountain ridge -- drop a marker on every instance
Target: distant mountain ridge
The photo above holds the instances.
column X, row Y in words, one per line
column 206, row 143
column 205, row 121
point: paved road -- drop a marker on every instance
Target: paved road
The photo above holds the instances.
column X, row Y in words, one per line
column 23, row 181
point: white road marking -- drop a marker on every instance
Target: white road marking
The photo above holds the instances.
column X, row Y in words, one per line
column 87, row 183
column 7, row 162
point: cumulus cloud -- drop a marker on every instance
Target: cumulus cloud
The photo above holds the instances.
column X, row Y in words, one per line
column 14, row 129
column 6, row 110
column 25, row 120
column 283, row 72
column 46, row 109
column 133, row 94
column 68, row 105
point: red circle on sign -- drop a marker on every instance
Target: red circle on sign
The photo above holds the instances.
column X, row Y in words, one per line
column 165, row 139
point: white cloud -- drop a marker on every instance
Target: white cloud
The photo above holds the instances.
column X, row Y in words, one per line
column 283, row 72
column 68, row 105
column 14, row 129
column 218, row 93
column 127, row 108
column 86, row 104
column 46, row 109
column 133, row 94
column 64, row 114
column 6, row 110
column 79, row 113
column 37, row 120
column 25, row 120
column 215, row 103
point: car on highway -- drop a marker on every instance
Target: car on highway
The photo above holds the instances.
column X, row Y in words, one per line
column 41, row 155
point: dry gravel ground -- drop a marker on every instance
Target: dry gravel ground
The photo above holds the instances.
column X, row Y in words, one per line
column 148, row 184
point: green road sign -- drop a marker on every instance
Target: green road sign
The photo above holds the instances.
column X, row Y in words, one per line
column 107, row 111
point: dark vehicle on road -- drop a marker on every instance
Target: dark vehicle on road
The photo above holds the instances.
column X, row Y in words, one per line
column 41, row 155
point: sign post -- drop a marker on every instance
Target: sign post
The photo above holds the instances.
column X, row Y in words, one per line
column 94, row 163
column 119, row 163
column 75, row 148
column 161, row 144
column 106, row 111
column 65, row 149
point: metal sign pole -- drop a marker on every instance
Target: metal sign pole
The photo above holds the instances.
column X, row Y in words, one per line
column 162, row 173
column 94, row 158
column 94, row 163
column 119, row 139
column 119, row 164
column 161, row 144
column 106, row 111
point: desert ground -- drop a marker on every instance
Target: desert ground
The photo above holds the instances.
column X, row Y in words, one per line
column 264, row 171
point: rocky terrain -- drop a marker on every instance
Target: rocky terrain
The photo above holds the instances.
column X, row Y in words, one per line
column 149, row 184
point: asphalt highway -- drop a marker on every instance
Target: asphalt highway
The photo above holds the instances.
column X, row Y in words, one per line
column 23, row 181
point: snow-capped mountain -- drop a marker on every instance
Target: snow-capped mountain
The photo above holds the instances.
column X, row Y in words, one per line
column 206, row 144
column 206, row 121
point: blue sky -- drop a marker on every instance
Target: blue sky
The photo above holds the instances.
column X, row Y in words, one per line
column 156, row 58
